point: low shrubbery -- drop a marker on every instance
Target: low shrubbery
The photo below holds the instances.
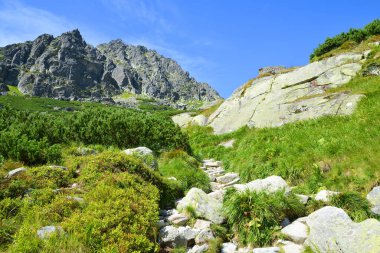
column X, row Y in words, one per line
column 255, row 218
column 118, row 213
column 353, row 35
column 34, row 137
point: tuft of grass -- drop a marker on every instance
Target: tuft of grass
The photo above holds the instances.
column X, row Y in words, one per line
column 356, row 206
column 185, row 169
column 255, row 217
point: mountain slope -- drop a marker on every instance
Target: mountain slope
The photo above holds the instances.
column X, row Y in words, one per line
column 68, row 67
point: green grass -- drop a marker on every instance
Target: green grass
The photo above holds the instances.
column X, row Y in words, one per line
column 348, row 143
column 256, row 217
column 125, row 95
column 207, row 112
column 185, row 169
column 26, row 103
column 14, row 91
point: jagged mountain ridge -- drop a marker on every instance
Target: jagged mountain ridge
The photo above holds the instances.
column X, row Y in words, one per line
column 67, row 67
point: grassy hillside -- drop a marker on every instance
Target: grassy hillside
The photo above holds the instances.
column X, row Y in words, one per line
column 348, row 145
column 347, row 40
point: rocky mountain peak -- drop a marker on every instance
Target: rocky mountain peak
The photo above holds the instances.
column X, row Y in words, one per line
column 67, row 67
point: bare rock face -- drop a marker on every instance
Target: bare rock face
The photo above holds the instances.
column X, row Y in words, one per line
column 66, row 67
column 332, row 230
column 297, row 95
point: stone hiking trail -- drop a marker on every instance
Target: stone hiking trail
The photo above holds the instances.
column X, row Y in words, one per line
column 328, row 229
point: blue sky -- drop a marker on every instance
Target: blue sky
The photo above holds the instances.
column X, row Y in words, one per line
column 222, row 42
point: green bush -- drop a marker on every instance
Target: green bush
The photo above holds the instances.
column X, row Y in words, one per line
column 118, row 213
column 185, row 169
column 121, row 216
column 255, row 217
column 33, row 137
column 356, row 35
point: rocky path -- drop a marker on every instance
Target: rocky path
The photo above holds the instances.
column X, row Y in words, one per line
column 189, row 224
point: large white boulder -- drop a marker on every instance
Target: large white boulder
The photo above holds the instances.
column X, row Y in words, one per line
column 374, row 198
column 332, row 230
column 270, row 184
column 204, row 205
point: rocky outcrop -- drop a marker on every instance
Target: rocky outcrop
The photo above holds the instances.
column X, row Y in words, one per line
column 297, row 95
column 332, row 230
column 67, row 67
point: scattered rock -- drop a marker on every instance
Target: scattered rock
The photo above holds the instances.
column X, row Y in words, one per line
column 204, row 236
column 325, row 195
column 203, row 205
column 162, row 223
column 47, row 231
column 228, row 178
column 57, row 167
column 86, row 151
column 198, row 249
column 297, row 232
column 139, row 151
column 270, row 184
column 15, row 172
column 289, row 247
column 228, row 247
column 227, row 144
column 332, row 230
column 374, row 198
column 145, row 154
column 303, row 198
column 212, row 163
column 177, row 237
column 202, row 224
column 267, row 250
column 178, row 219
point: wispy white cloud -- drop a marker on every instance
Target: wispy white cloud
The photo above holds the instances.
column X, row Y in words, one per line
column 20, row 22
column 151, row 13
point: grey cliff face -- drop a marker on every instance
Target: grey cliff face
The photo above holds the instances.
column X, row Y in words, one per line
column 67, row 67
